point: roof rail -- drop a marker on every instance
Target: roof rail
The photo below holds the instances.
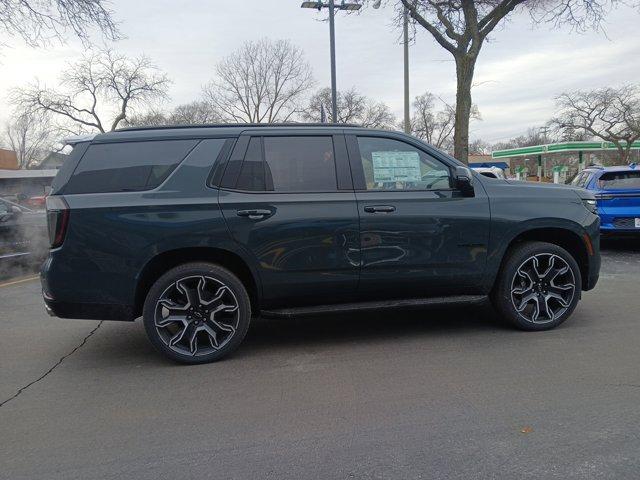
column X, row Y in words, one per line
column 238, row 125
column 75, row 139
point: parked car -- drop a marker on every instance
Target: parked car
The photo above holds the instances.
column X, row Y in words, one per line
column 36, row 203
column 196, row 229
column 23, row 232
column 491, row 172
column 617, row 193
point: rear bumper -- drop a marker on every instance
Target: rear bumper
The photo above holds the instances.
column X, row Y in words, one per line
column 88, row 311
column 62, row 299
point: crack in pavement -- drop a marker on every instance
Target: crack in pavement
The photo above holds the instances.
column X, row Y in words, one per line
column 56, row 365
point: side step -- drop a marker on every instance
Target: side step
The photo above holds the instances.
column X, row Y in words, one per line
column 376, row 305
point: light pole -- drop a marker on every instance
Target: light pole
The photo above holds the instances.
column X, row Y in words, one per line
column 405, row 28
column 319, row 5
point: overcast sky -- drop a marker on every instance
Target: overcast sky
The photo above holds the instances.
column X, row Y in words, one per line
column 517, row 76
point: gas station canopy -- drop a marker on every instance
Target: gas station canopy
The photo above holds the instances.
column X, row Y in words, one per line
column 565, row 147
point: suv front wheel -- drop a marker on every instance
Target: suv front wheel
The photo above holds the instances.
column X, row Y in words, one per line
column 197, row 313
column 539, row 286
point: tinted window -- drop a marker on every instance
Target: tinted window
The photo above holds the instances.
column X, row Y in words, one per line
column 132, row 166
column 394, row 165
column 252, row 171
column 300, row 164
column 4, row 208
column 619, row 180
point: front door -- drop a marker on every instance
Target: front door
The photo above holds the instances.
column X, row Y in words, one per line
column 290, row 203
column 419, row 236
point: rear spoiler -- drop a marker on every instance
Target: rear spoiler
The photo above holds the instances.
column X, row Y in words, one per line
column 75, row 139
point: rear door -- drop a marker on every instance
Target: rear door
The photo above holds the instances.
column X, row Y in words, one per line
column 419, row 236
column 288, row 200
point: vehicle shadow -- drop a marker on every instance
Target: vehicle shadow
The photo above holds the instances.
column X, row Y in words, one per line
column 275, row 336
column 320, row 331
column 628, row 244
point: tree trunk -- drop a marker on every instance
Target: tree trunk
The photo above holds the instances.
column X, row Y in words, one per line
column 623, row 151
column 465, row 64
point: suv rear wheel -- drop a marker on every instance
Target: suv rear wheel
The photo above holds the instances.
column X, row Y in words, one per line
column 538, row 287
column 197, row 313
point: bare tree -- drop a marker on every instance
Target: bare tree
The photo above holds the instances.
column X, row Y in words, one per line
column 462, row 26
column 433, row 125
column 193, row 113
column 479, row 147
column 262, row 82
column 37, row 21
column 353, row 107
column 100, row 84
column 612, row 114
column 30, row 136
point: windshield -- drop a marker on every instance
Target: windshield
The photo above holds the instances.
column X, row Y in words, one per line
column 581, row 180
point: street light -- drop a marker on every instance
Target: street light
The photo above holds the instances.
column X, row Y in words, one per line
column 319, row 5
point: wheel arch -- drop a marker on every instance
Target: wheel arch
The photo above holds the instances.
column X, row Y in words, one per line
column 169, row 259
column 566, row 238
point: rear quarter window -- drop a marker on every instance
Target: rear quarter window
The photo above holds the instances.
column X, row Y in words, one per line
column 125, row 167
column 619, row 180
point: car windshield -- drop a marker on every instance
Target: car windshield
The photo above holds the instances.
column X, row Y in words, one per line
column 581, row 179
column 619, row 180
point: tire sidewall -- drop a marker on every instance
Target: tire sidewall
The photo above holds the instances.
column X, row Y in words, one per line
column 501, row 296
column 194, row 269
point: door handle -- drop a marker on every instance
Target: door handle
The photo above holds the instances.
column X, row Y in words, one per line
column 379, row 208
column 254, row 214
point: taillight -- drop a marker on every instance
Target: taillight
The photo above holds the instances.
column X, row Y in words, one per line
column 57, row 219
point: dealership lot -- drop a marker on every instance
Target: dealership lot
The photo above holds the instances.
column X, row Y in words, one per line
column 421, row 394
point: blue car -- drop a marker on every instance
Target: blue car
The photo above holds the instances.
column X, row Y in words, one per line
column 617, row 191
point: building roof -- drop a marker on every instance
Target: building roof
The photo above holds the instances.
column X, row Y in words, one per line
column 28, row 173
column 500, row 165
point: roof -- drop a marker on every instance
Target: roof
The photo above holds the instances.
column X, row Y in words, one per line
column 616, row 168
column 563, row 147
column 213, row 131
column 50, row 173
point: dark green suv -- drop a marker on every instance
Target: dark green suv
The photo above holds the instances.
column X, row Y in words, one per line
column 196, row 229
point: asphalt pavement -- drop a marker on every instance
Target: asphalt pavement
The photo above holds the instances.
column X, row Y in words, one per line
column 431, row 394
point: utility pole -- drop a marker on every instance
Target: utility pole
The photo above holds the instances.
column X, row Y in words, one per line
column 332, row 47
column 405, row 44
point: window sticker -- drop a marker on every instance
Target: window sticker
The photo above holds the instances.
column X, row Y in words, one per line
column 396, row 166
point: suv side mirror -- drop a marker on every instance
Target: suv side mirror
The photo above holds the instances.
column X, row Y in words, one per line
column 463, row 181
column 15, row 210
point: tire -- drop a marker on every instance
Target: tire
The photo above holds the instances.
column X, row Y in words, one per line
column 538, row 287
column 197, row 313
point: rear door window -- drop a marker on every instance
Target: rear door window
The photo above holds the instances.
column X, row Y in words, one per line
column 619, row 180
column 131, row 166
column 252, row 172
column 300, row 164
